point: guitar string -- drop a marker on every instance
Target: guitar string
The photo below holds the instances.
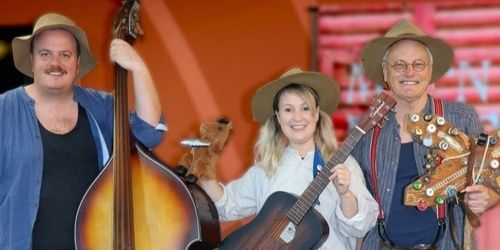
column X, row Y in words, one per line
column 274, row 234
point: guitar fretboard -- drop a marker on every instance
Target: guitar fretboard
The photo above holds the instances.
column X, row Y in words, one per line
column 316, row 187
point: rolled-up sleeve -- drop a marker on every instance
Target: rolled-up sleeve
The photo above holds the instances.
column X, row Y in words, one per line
column 149, row 136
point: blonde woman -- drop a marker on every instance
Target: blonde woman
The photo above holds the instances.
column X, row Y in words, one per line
column 295, row 140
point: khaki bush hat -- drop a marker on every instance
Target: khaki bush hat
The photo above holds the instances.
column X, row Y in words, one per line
column 327, row 89
column 374, row 51
column 21, row 45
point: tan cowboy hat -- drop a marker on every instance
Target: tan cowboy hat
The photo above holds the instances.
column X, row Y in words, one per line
column 373, row 53
column 21, row 45
column 326, row 88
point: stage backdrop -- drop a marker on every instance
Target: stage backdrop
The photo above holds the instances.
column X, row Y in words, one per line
column 472, row 28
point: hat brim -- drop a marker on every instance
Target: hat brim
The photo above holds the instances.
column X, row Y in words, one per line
column 373, row 53
column 327, row 89
column 22, row 54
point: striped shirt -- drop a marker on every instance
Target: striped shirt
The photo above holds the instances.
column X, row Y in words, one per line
column 388, row 148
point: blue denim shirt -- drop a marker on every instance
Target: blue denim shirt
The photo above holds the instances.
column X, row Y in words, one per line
column 461, row 115
column 21, row 156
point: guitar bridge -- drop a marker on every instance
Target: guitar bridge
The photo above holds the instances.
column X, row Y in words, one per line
column 288, row 233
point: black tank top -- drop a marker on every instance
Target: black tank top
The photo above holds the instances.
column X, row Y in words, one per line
column 69, row 166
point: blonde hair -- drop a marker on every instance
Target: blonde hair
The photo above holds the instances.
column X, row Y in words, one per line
column 271, row 142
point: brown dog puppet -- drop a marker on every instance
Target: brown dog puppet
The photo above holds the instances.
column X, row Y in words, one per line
column 201, row 160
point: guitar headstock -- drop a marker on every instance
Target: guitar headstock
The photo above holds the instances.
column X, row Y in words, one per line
column 378, row 108
column 126, row 24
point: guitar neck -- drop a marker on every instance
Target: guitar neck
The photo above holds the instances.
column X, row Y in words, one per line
column 316, row 187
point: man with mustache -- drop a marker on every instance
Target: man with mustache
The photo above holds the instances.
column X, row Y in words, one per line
column 405, row 61
column 56, row 136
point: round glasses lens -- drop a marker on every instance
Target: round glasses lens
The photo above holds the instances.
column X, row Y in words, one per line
column 418, row 66
column 399, row 66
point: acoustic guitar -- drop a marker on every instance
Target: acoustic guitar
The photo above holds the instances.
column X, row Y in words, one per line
column 288, row 222
column 463, row 161
column 137, row 202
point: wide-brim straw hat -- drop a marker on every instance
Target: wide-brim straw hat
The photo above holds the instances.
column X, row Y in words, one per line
column 21, row 45
column 373, row 53
column 327, row 89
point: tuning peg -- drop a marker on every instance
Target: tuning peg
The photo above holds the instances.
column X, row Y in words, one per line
column 440, row 121
column 427, row 117
column 443, row 145
column 493, row 141
column 414, row 117
column 494, row 164
column 431, row 128
column 429, row 192
column 482, row 139
column 453, row 131
column 417, row 132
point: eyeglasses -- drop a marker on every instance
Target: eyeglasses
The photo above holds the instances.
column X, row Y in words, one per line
column 401, row 66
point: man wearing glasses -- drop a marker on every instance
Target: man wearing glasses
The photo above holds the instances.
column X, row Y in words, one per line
column 405, row 61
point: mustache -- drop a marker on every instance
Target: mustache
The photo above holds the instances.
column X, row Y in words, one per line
column 56, row 69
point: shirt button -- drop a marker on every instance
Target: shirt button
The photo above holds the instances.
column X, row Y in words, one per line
column 388, row 190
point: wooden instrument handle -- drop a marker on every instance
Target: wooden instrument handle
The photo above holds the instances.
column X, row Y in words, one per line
column 473, row 219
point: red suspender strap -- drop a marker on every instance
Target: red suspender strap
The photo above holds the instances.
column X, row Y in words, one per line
column 373, row 169
column 438, row 107
column 438, row 110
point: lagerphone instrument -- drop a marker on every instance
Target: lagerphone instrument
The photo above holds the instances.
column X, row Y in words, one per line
column 462, row 161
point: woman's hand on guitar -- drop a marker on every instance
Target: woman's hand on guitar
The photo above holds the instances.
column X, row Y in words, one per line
column 476, row 198
column 341, row 179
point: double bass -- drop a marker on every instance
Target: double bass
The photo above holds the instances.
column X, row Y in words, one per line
column 137, row 202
